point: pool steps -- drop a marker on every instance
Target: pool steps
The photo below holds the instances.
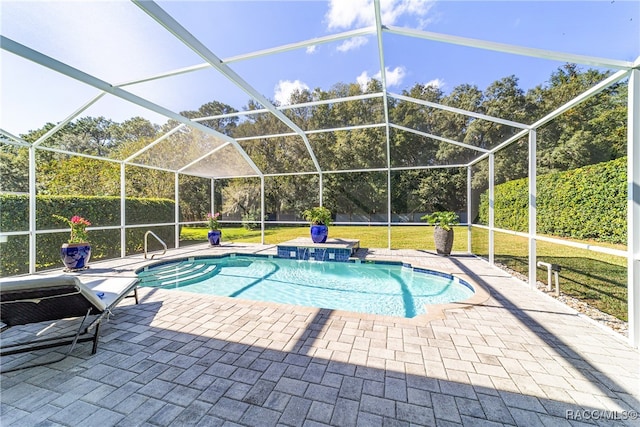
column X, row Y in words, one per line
column 178, row 275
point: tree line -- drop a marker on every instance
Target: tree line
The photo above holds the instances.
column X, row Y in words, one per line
column 592, row 132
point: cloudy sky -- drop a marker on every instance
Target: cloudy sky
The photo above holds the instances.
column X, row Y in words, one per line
column 118, row 43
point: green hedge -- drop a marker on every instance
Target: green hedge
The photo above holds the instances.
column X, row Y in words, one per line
column 584, row 203
column 100, row 211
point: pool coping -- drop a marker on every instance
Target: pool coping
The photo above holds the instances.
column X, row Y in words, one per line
column 433, row 311
column 522, row 352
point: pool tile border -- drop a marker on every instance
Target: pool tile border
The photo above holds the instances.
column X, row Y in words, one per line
column 433, row 311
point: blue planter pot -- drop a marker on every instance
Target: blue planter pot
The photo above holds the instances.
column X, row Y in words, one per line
column 75, row 256
column 319, row 233
column 214, row 237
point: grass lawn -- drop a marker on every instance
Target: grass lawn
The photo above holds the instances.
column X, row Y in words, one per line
column 402, row 237
column 596, row 278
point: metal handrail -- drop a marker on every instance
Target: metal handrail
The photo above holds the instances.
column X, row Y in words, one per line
column 158, row 239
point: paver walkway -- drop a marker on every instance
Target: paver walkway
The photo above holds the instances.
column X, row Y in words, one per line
column 176, row 359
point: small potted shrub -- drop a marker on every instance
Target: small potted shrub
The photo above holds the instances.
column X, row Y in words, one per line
column 319, row 218
column 443, row 233
column 76, row 252
column 214, row 233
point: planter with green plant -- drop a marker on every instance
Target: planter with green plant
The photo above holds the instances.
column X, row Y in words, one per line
column 214, row 233
column 76, row 252
column 443, row 232
column 319, row 218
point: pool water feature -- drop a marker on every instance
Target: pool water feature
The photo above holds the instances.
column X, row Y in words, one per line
column 392, row 289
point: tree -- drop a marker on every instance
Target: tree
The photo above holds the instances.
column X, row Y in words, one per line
column 14, row 169
column 557, row 139
column 225, row 125
column 591, row 132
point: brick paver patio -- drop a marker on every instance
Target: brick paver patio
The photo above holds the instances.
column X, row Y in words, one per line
column 520, row 358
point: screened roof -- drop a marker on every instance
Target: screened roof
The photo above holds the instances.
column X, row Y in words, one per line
column 64, row 60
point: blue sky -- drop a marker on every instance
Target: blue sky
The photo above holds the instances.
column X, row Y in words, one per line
column 117, row 42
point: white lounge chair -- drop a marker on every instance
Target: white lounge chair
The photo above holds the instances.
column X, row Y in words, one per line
column 49, row 298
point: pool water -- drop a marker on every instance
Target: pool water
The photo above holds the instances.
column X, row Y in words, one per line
column 378, row 288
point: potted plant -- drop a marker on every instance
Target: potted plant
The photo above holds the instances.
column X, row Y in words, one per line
column 76, row 252
column 443, row 233
column 319, row 218
column 214, row 233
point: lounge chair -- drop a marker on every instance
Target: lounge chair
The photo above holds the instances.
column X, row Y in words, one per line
column 52, row 298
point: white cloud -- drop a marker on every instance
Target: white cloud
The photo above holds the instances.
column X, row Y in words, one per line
column 436, row 83
column 394, row 77
column 362, row 80
column 284, row 89
column 311, row 49
column 352, row 43
column 344, row 14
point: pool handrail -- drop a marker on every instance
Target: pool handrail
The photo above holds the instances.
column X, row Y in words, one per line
column 146, row 235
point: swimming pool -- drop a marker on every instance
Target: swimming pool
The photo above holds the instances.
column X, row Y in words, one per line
column 392, row 289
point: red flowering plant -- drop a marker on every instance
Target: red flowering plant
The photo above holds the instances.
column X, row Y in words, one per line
column 212, row 220
column 78, row 226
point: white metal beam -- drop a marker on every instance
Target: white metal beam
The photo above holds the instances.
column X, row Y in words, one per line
column 303, row 44
column 279, row 49
column 53, row 64
column 398, row 168
column 153, row 143
column 157, row 168
column 469, row 219
column 383, row 79
column 407, row 168
column 204, row 156
column 492, row 203
column 123, row 211
column 275, row 135
column 512, row 49
column 14, row 140
column 262, row 210
column 32, row 210
column 71, row 153
column 346, row 128
column 312, row 132
column 633, row 208
column 181, row 33
column 333, row 100
column 614, row 78
column 533, row 209
column 502, row 145
column 208, row 176
column 292, row 106
column 460, row 111
column 72, row 116
column 176, row 210
column 439, row 138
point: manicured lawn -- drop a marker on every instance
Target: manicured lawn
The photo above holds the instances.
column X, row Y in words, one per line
column 403, row 237
column 596, row 278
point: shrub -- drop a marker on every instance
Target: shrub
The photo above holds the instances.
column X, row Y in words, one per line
column 251, row 220
column 584, row 203
column 103, row 211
